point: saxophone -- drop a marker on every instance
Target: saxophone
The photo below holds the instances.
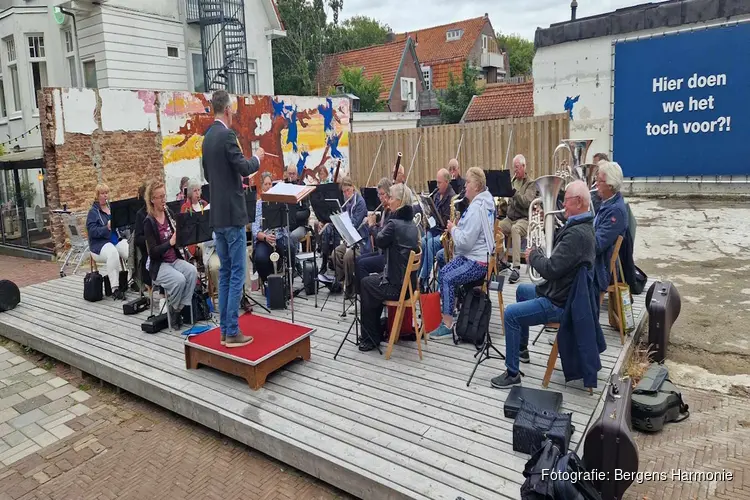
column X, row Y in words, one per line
column 445, row 239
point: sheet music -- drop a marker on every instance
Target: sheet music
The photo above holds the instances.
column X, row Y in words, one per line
column 285, row 188
column 343, row 224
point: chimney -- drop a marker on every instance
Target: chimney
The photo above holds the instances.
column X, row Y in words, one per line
column 390, row 36
column 573, row 8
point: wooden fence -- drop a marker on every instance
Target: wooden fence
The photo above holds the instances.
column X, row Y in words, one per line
column 484, row 145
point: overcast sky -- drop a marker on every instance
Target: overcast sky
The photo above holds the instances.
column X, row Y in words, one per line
column 507, row 16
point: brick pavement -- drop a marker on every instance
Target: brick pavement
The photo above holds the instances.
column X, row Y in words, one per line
column 715, row 437
column 24, row 272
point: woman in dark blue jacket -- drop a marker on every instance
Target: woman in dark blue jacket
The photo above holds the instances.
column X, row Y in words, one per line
column 105, row 244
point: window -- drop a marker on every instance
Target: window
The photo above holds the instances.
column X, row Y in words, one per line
column 252, row 70
column 89, row 74
column 70, row 57
column 485, row 42
column 408, row 89
column 199, row 85
column 340, row 89
column 10, row 48
column 454, row 34
column 173, row 52
column 427, row 74
column 38, row 62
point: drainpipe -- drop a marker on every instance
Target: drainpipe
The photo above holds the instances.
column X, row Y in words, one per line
column 79, row 64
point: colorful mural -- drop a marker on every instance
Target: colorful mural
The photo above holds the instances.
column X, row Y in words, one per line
column 309, row 133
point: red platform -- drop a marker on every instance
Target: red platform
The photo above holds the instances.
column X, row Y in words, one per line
column 275, row 344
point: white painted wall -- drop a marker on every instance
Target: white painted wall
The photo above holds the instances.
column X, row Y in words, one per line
column 163, row 8
column 373, row 122
column 130, row 48
column 583, row 68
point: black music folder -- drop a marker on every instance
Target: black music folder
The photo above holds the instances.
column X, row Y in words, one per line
column 498, row 182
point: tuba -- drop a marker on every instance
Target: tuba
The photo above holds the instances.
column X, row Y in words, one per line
column 541, row 232
column 578, row 149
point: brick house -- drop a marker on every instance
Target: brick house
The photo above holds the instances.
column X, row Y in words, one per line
column 395, row 62
column 444, row 49
column 501, row 100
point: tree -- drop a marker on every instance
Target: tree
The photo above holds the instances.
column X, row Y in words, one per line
column 296, row 57
column 520, row 53
column 355, row 33
column 456, row 99
column 368, row 90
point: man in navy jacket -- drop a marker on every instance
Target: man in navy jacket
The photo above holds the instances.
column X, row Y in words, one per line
column 574, row 247
column 610, row 222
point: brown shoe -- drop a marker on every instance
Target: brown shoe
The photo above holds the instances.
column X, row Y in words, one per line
column 238, row 340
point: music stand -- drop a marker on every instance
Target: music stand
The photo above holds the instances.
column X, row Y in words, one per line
column 456, row 184
column 434, row 212
column 325, row 201
column 206, row 193
column 193, row 228
column 484, row 354
column 499, row 184
column 352, row 238
column 289, row 195
column 431, row 186
column 371, row 198
column 124, row 211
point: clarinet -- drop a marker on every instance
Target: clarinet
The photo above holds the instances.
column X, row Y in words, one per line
column 169, row 216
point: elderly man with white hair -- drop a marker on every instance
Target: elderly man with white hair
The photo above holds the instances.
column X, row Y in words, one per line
column 567, row 271
column 516, row 222
column 611, row 219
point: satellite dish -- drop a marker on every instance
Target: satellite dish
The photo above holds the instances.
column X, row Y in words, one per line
column 60, row 18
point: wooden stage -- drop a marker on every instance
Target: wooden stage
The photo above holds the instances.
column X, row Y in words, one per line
column 377, row 429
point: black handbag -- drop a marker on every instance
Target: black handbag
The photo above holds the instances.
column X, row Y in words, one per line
column 533, row 426
column 547, row 476
column 92, row 287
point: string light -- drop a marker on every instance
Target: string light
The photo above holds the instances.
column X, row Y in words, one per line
column 15, row 139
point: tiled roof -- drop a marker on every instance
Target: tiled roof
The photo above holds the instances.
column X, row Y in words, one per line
column 432, row 44
column 502, row 100
column 440, row 72
column 380, row 60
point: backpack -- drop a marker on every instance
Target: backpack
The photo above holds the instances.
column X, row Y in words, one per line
column 92, row 287
column 473, row 319
column 656, row 401
column 543, row 474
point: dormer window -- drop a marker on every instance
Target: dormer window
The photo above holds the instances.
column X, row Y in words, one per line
column 454, row 34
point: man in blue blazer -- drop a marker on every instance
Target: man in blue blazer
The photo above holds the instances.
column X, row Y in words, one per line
column 224, row 166
column 610, row 222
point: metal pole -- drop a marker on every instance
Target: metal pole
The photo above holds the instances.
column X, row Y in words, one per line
column 377, row 155
column 460, row 141
column 414, row 157
column 507, row 151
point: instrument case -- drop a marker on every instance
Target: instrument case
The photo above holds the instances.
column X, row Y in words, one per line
column 663, row 306
column 275, row 292
column 544, row 400
column 657, row 401
column 609, row 444
column 155, row 324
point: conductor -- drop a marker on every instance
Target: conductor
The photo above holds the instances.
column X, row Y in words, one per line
column 224, row 166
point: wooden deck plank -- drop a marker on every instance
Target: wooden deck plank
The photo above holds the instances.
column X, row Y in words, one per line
column 401, row 428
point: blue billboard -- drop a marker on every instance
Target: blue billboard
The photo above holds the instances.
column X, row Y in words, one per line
column 682, row 103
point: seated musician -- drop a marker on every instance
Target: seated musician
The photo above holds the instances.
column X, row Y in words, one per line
column 374, row 262
column 303, row 208
column 167, row 266
column 474, row 242
column 397, row 239
column 431, row 243
column 456, row 174
column 343, row 257
column 323, row 176
column 596, row 200
column 516, row 222
column 264, row 242
column 139, row 239
column 194, row 203
column 611, row 221
column 183, row 186
column 105, row 243
column 574, row 246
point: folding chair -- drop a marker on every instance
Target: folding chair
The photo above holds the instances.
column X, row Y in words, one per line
column 79, row 245
column 409, row 298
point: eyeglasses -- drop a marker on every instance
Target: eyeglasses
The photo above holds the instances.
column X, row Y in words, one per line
column 568, row 198
column 160, row 197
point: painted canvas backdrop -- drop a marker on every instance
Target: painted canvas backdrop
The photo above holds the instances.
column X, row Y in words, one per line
column 681, row 105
